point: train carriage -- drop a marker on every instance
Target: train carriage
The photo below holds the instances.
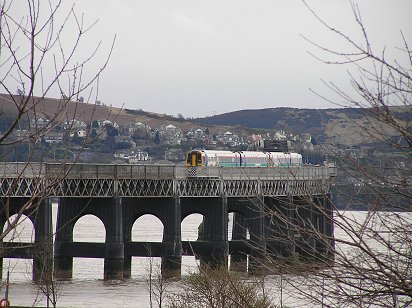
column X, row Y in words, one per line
column 197, row 158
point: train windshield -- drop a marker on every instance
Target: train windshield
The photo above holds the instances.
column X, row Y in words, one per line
column 194, row 158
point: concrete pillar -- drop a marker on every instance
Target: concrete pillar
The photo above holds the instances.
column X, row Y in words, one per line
column 114, row 252
column 256, row 222
column 127, row 267
column 63, row 265
column 278, row 230
column 43, row 241
column 329, row 226
column 215, row 232
column 172, row 241
column 306, row 226
column 127, row 237
column 1, row 257
column 3, row 204
column 238, row 261
column 321, row 239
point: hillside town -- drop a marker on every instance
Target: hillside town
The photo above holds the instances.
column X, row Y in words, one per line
column 137, row 142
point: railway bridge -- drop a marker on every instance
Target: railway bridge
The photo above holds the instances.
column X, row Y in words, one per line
column 271, row 205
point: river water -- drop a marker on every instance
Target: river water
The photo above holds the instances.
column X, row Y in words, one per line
column 87, row 287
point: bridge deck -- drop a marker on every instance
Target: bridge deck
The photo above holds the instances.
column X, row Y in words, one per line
column 107, row 180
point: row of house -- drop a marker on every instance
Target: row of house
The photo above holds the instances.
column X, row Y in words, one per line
column 135, row 135
column 168, row 134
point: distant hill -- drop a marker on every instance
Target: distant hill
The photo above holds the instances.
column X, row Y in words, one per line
column 51, row 108
column 347, row 126
column 273, row 117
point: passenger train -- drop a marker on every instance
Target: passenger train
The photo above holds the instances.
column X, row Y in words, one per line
column 197, row 158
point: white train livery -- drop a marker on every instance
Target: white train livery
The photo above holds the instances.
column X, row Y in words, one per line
column 198, row 158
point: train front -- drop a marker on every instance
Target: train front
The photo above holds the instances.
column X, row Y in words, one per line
column 194, row 158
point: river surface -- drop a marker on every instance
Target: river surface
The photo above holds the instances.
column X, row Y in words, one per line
column 87, row 287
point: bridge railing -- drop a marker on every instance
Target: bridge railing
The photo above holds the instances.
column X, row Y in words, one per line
column 21, row 169
column 277, row 173
column 109, row 171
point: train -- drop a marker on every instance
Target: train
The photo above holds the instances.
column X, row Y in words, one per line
column 198, row 158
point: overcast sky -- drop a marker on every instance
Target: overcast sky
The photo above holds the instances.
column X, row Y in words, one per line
column 201, row 58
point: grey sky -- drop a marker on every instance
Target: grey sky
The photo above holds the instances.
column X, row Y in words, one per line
column 201, row 58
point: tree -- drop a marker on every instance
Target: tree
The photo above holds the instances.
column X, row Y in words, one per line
column 157, row 285
column 39, row 55
column 369, row 262
column 218, row 287
column 95, row 124
column 157, row 138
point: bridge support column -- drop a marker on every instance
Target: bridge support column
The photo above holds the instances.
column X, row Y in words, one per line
column 304, row 225
column 329, row 220
column 238, row 261
column 322, row 222
column 3, row 218
column 63, row 264
column 279, row 228
column 127, row 267
column 43, row 242
column 256, row 222
column 172, row 254
column 1, row 259
column 114, row 253
column 215, row 232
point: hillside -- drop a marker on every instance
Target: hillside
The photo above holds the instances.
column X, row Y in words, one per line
column 51, row 108
column 346, row 126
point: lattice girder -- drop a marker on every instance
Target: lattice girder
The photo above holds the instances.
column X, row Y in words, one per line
column 198, row 187
column 241, row 188
column 145, row 188
column 85, row 188
column 21, row 187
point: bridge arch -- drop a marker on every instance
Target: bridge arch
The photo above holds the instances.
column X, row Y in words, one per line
column 24, row 231
column 147, row 227
column 89, row 228
column 190, row 226
column 238, row 226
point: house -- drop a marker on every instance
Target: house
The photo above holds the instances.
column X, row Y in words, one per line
column 38, row 123
column 53, row 137
column 228, row 139
column 171, row 134
column 174, row 155
column 74, row 124
column 137, row 157
column 110, row 123
column 81, row 133
column 20, row 134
